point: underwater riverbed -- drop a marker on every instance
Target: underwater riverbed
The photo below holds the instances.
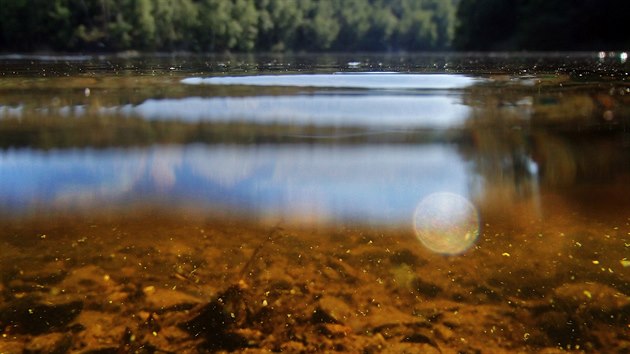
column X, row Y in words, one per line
column 356, row 203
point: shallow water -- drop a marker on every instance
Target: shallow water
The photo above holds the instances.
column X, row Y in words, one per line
column 441, row 203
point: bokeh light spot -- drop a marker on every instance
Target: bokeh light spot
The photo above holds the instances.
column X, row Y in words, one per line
column 446, row 223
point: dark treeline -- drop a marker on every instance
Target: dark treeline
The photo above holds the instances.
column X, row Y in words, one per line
column 543, row 25
column 222, row 25
column 312, row 25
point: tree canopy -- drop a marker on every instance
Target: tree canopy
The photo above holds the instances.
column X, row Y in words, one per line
column 312, row 25
column 220, row 25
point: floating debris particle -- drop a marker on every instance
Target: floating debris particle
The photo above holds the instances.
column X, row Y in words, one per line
column 148, row 290
column 505, row 254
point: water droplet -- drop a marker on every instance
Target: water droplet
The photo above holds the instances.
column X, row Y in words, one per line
column 446, row 223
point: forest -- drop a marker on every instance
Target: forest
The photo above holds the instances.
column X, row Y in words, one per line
column 226, row 25
column 311, row 25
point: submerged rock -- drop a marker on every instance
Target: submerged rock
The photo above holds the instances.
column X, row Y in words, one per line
column 53, row 343
column 165, row 300
column 34, row 315
column 100, row 332
column 597, row 299
column 44, row 274
column 332, row 310
column 11, row 346
column 217, row 322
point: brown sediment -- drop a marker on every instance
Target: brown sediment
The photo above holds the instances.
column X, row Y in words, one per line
column 150, row 281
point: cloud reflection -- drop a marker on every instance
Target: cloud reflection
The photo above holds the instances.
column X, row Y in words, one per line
column 416, row 111
column 375, row 184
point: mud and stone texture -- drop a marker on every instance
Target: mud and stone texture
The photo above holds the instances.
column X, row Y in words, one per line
column 166, row 282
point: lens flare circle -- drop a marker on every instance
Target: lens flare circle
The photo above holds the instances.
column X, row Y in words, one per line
column 446, row 223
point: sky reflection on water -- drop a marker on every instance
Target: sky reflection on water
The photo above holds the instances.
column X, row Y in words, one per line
column 376, row 167
column 379, row 184
column 393, row 111
column 366, row 111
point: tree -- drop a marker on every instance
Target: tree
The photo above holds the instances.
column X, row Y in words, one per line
column 228, row 24
column 354, row 19
column 416, row 29
column 144, row 34
column 443, row 16
column 382, row 28
column 322, row 27
column 244, row 24
column 278, row 24
column 239, row 25
column 175, row 21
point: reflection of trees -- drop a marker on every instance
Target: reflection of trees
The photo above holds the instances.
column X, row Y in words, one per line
column 502, row 159
column 520, row 137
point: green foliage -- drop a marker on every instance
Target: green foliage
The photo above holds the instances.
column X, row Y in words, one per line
column 175, row 21
column 323, row 27
column 315, row 25
column 226, row 25
column 245, row 19
column 145, row 30
column 278, row 23
column 382, row 27
column 354, row 19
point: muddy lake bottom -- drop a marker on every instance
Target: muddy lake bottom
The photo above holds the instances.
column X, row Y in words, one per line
column 148, row 280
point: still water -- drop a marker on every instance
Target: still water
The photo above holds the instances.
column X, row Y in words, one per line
column 360, row 203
